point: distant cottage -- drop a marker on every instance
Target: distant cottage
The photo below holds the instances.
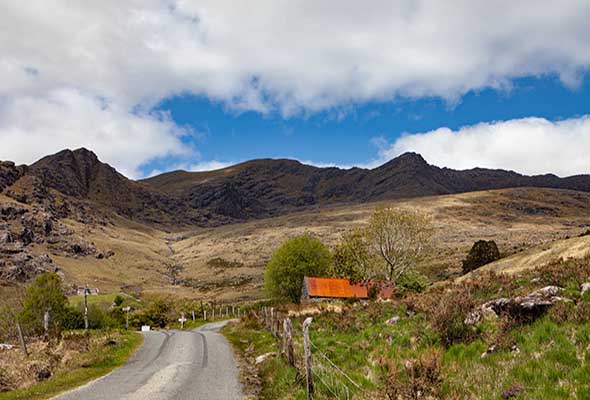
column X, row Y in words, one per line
column 317, row 289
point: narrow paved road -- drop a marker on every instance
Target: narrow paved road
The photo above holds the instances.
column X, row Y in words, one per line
column 171, row 365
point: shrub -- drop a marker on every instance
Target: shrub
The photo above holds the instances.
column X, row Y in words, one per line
column 482, row 253
column 422, row 377
column 448, row 317
column 297, row 257
column 412, row 281
column 157, row 313
column 45, row 293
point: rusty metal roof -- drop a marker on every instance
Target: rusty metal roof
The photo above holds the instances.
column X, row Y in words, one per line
column 342, row 288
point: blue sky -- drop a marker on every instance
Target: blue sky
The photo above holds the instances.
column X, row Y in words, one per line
column 158, row 85
column 346, row 136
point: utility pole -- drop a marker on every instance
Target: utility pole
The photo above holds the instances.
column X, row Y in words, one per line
column 21, row 338
column 127, row 309
column 46, row 322
column 86, row 293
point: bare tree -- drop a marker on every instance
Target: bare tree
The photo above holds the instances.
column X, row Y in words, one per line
column 400, row 238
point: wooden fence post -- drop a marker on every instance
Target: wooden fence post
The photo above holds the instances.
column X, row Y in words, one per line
column 278, row 327
column 272, row 320
column 204, row 315
column 21, row 338
column 289, row 334
column 307, row 349
column 193, row 311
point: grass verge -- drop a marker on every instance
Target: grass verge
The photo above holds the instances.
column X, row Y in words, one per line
column 111, row 357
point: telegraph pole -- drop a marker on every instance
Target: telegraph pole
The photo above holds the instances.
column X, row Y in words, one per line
column 127, row 309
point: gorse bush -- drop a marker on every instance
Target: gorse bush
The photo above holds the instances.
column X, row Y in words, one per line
column 298, row 257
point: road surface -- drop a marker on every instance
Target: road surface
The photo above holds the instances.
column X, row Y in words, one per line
column 171, row 365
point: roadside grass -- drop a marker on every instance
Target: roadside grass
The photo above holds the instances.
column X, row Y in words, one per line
column 99, row 362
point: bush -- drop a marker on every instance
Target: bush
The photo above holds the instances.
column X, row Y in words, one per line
column 157, row 314
column 448, row 317
column 423, row 377
column 482, row 253
column 412, row 281
column 298, row 257
column 45, row 293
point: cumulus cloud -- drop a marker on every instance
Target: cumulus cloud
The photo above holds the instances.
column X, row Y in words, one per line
column 123, row 58
column 529, row 145
column 32, row 127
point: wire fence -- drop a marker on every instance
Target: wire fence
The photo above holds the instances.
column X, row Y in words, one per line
column 322, row 375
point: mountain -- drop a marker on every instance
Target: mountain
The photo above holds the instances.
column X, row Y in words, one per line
column 254, row 189
column 268, row 187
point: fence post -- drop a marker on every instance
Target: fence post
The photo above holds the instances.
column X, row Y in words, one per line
column 204, row 315
column 307, row 349
column 21, row 338
column 278, row 327
column 193, row 311
column 289, row 334
column 272, row 320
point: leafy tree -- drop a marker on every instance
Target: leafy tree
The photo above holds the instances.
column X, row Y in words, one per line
column 298, row 257
column 45, row 293
column 353, row 258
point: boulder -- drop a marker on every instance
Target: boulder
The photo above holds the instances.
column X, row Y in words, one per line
column 585, row 287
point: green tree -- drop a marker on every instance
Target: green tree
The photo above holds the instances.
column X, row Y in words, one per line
column 352, row 257
column 45, row 293
column 298, row 257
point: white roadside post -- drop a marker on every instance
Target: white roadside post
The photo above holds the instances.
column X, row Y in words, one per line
column 182, row 320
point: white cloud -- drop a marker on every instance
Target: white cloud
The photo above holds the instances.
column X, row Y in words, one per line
column 528, row 145
column 122, row 58
column 211, row 165
column 31, row 128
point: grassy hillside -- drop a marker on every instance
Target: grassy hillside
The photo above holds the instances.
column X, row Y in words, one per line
column 431, row 352
column 226, row 263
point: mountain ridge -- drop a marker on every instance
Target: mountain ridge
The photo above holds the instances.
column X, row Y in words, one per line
column 254, row 189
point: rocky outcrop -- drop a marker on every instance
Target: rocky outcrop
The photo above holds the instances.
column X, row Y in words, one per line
column 526, row 307
column 24, row 267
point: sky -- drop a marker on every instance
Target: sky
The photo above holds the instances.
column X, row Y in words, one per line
column 153, row 86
